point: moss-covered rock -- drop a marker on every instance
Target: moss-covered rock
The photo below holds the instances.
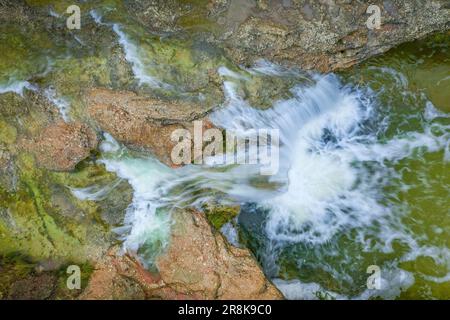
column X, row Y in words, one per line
column 22, row 277
column 218, row 214
column 41, row 219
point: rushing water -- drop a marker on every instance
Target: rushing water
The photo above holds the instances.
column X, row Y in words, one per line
column 363, row 175
column 363, row 181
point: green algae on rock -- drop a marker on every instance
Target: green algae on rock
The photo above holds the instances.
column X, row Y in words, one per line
column 40, row 217
column 218, row 215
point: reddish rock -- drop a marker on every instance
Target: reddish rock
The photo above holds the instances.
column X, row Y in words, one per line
column 143, row 122
column 61, row 146
column 199, row 264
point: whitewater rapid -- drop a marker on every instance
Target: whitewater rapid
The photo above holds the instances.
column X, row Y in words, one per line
column 333, row 168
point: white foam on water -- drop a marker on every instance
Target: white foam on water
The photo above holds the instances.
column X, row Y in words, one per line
column 109, row 144
column 230, row 233
column 143, row 224
column 314, row 179
column 17, row 87
column 61, row 103
column 323, row 138
column 398, row 77
column 133, row 56
column 265, row 67
column 93, row 193
column 297, row 290
column 440, row 256
column 96, row 16
column 435, row 279
column 393, row 281
column 324, row 186
column 53, row 13
column 432, row 113
column 225, row 72
column 320, row 175
column 447, row 78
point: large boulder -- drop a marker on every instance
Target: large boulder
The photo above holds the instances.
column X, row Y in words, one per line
column 326, row 35
column 199, row 260
column 143, row 122
column 319, row 35
column 198, row 264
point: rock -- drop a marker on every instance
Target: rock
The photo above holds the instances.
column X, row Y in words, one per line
column 319, row 35
column 218, row 214
column 61, row 146
column 332, row 35
column 198, row 264
column 8, row 176
column 199, row 260
column 40, row 218
column 107, row 282
column 35, row 287
column 160, row 15
column 141, row 121
column 39, row 215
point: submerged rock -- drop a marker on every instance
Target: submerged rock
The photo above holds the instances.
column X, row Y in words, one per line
column 199, row 264
column 41, row 218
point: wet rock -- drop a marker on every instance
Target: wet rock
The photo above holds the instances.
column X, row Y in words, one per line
column 61, row 146
column 198, row 264
column 142, row 122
